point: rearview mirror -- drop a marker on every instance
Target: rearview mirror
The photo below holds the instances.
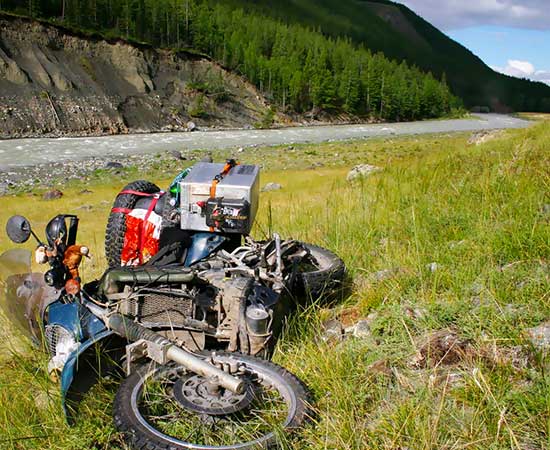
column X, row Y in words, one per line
column 18, row 229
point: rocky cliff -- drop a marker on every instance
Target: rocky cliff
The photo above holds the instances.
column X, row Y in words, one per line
column 55, row 82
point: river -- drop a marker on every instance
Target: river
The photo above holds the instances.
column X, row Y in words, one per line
column 29, row 152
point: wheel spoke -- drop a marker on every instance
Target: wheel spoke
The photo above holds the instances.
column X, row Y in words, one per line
column 258, row 415
column 187, row 408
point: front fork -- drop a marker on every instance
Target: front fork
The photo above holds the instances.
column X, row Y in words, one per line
column 146, row 342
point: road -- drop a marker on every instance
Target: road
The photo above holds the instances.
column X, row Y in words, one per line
column 29, row 152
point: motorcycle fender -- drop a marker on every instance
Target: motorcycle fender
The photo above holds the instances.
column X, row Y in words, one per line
column 203, row 244
column 85, row 366
column 76, row 319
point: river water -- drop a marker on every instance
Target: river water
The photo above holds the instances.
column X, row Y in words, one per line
column 28, row 152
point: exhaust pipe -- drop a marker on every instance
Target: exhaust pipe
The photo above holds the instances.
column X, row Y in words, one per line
column 135, row 332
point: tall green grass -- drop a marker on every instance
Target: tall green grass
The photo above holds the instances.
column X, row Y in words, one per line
column 478, row 212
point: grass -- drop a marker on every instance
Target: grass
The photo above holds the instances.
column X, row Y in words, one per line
column 533, row 116
column 479, row 212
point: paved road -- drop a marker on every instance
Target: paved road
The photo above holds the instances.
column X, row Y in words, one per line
column 27, row 152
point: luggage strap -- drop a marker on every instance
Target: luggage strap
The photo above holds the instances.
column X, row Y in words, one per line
column 140, row 194
column 156, row 196
column 229, row 164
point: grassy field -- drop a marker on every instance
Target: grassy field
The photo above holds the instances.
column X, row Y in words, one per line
column 448, row 243
column 533, row 116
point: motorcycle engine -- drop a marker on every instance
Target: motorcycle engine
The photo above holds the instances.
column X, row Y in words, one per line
column 216, row 312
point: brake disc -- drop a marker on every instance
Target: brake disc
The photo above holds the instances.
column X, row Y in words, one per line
column 197, row 394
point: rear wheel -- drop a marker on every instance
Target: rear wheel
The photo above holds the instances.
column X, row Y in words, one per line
column 167, row 407
column 321, row 274
column 116, row 225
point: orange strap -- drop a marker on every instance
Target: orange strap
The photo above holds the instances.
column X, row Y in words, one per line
column 213, row 188
column 228, row 166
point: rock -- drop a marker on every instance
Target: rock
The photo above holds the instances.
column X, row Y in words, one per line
column 271, row 187
column 432, row 267
column 362, row 171
column 191, row 126
column 361, row 330
column 85, row 207
column 518, row 356
column 240, row 150
column 385, row 274
column 333, row 331
column 4, row 188
column 85, row 192
column 113, row 165
column 207, row 159
column 177, row 155
column 540, row 336
column 371, row 318
column 15, row 74
column 481, row 137
column 52, row 195
column 316, row 165
column 545, row 210
column 414, row 313
column 476, row 288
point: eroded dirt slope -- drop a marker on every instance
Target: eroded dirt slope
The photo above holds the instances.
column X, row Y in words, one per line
column 53, row 82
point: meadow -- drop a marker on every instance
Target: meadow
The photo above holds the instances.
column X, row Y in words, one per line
column 449, row 242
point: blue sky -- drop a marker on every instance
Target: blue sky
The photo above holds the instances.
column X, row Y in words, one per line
column 511, row 36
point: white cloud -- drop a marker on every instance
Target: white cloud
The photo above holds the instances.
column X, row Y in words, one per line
column 524, row 69
column 517, row 68
column 452, row 14
column 542, row 75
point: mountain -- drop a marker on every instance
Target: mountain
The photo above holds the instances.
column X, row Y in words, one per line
column 399, row 33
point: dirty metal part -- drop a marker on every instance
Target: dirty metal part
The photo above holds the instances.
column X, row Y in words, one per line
column 194, row 341
column 114, row 280
column 134, row 352
column 167, row 351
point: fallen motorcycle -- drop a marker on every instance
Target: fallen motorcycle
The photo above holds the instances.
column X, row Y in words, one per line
column 190, row 308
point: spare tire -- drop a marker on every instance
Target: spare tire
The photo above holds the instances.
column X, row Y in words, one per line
column 323, row 275
column 116, row 225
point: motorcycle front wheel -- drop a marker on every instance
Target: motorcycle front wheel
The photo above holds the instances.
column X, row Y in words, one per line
column 167, row 407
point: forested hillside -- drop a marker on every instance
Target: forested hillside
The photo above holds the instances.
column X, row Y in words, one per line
column 295, row 66
column 399, row 33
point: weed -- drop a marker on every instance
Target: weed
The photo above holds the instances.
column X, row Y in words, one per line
column 196, row 108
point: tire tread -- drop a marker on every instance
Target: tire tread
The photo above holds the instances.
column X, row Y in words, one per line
column 116, row 224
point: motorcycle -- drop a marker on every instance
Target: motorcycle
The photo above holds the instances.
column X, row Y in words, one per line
column 190, row 314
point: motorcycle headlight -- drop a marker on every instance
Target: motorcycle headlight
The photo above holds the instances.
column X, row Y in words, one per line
column 61, row 343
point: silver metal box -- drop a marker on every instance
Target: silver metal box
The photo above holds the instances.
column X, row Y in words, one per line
column 241, row 183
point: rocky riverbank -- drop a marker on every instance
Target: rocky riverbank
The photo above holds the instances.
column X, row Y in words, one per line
column 45, row 177
column 54, row 82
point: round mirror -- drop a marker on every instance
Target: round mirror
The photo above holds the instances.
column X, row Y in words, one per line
column 18, row 229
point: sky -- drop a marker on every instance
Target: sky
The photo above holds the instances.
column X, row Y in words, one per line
column 511, row 36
